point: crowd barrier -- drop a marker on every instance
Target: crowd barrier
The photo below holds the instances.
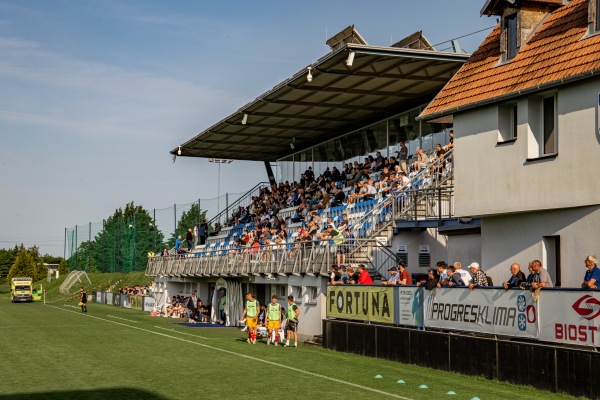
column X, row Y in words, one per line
column 568, row 316
column 142, row 303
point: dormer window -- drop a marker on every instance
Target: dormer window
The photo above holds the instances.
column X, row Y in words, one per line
column 510, row 25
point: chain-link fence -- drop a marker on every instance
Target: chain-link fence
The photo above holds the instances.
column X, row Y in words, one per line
column 122, row 242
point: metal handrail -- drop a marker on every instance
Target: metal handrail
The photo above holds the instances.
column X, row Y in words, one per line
column 252, row 192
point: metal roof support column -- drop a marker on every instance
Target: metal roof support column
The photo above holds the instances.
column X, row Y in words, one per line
column 270, row 174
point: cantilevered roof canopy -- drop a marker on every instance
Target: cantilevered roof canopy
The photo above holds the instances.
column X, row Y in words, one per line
column 380, row 82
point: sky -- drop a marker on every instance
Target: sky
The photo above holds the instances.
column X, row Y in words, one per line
column 95, row 93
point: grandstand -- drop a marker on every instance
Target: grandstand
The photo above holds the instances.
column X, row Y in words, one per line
column 352, row 103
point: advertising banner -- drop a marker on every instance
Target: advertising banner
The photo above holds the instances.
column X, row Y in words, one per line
column 116, row 300
column 135, row 302
column 410, row 306
column 495, row 312
column 361, row 303
column 109, row 298
column 95, row 297
column 125, row 301
column 149, row 303
column 571, row 317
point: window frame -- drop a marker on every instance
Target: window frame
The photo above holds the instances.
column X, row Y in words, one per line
column 597, row 21
column 508, row 130
column 542, row 133
column 511, row 36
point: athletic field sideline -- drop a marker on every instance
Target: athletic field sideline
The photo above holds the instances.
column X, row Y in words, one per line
column 57, row 352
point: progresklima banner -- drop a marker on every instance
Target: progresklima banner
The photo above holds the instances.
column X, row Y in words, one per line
column 496, row 312
column 361, row 303
column 570, row 317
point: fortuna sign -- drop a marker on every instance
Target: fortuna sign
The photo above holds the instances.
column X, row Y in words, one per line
column 364, row 303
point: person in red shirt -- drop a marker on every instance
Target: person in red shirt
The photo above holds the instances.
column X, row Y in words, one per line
column 364, row 277
column 405, row 278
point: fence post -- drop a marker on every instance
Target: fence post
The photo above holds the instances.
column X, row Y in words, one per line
column 199, row 213
column 103, row 245
column 65, row 247
column 76, row 247
column 226, row 206
column 134, row 243
column 154, row 228
column 175, row 220
column 439, row 203
column 89, row 245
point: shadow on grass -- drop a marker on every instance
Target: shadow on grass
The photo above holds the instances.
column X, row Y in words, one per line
column 116, row 393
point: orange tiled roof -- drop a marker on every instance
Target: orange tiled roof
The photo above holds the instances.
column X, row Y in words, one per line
column 554, row 53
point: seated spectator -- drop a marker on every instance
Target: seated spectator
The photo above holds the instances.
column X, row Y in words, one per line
column 421, row 160
column 592, row 275
column 364, row 278
column 479, row 277
column 516, row 278
column 393, row 277
column 370, row 191
column 344, row 277
column 216, row 230
column 432, row 279
column 384, row 179
column 439, row 158
column 541, row 277
column 335, row 278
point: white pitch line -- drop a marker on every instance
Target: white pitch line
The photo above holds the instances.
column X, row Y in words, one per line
column 42, row 326
column 124, row 319
column 233, row 353
column 181, row 333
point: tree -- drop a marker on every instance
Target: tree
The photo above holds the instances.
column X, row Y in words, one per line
column 187, row 220
column 24, row 266
column 7, row 259
column 63, row 267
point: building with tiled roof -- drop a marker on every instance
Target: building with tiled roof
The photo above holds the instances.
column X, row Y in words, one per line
column 525, row 109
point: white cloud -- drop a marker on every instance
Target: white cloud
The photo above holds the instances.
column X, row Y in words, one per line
column 91, row 97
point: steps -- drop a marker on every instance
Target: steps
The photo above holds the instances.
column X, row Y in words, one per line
column 316, row 341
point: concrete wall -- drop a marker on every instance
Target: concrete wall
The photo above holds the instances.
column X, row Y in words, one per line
column 413, row 239
column 496, row 179
column 520, row 238
column 464, row 248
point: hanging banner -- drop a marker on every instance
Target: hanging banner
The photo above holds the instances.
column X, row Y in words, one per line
column 491, row 311
column 109, row 298
column 135, row 302
column 571, row 317
column 125, row 301
column 410, row 306
column 361, row 303
column 149, row 303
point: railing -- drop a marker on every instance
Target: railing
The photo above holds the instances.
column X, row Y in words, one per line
column 244, row 201
column 295, row 258
column 425, row 204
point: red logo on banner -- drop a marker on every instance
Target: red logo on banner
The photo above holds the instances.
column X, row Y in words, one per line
column 587, row 306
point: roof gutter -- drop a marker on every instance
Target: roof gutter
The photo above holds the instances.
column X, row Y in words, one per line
column 508, row 96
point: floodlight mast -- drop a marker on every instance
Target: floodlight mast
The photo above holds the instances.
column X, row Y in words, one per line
column 219, row 161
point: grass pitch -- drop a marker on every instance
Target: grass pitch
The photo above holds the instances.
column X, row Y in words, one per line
column 54, row 351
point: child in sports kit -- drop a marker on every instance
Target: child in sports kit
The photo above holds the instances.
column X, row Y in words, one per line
column 251, row 314
column 273, row 320
column 292, row 325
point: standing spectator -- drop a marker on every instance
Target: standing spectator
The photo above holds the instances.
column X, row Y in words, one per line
column 479, row 277
column 189, row 238
column 405, row 278
column 165, row 252
column 541, row 277
column 203, row 232
column 178, row 243
column 196, row 232
column 151, row 253
column 517, row 277
column 442, row 272
column 454, row 279
column 352, row 276
column 465, row 276
column 402, row 156
column 432, row 279
column 364, row 278
column 592, row 275
column 393, row 278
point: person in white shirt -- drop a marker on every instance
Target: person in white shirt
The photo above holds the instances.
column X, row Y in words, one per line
column 465, row 275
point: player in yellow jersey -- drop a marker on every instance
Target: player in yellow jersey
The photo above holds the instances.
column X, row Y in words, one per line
column 273, row 320
column 251, row 314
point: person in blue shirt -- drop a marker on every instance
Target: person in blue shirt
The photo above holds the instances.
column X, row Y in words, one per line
column 592, row 275
column 178, row 242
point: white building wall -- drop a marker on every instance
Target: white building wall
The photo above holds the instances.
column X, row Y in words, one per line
column 520, row 238
column 430, row 237
column 464, row 248
column 495, row 179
